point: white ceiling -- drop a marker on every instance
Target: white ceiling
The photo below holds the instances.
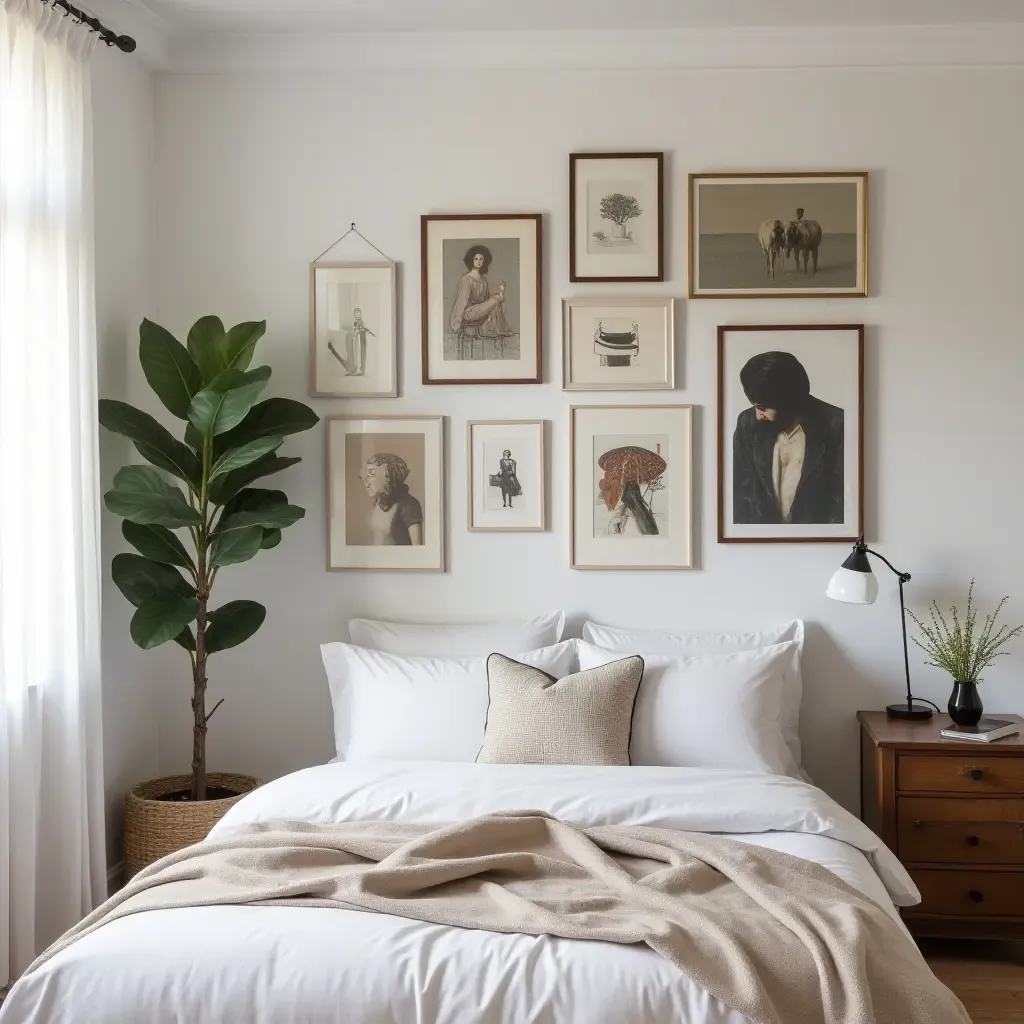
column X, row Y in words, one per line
column 200, row 16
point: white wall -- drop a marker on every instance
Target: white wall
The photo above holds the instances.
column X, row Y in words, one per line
column 257, row 173
column 122, row 95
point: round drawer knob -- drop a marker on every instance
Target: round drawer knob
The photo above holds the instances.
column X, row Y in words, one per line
column 976, row 896
column 973, row 840
column 977, row 774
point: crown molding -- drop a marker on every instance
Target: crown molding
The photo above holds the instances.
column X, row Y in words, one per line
column 681, row 49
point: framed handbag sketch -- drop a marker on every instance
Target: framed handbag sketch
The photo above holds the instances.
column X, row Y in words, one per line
column 613, row 344
column 353, row 330
column 506, row 477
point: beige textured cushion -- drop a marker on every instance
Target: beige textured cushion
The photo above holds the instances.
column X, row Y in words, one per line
column 583, row 718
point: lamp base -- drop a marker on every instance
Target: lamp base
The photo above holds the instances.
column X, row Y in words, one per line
column 910, row 710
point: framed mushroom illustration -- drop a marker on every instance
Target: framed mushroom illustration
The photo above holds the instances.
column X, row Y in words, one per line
column 631, row 486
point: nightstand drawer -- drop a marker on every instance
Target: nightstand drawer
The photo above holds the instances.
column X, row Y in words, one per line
column 958, row 773
column 970, row 893
column 943, row 831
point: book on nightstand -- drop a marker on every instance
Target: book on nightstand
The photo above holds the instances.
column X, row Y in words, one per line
column 987, row 730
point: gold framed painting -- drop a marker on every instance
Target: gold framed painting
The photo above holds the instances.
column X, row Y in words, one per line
column 353, row 350
column 385, row 493
column 778, row 235
column 631, row 486
column 506, row 475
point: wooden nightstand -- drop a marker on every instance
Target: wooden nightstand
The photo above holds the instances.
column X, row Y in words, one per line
column 953, row 812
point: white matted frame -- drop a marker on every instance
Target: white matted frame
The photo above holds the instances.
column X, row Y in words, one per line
column 631, row 486
column 518, row 479
column 618, row 344
column 364, row 533
column 353, row 330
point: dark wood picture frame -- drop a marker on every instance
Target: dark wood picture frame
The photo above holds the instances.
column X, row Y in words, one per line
column 425, row 220
column 692, row 242
column 574, row 158
column 722, row 440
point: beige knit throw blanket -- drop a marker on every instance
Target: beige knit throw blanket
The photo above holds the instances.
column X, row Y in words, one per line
column 780, row 939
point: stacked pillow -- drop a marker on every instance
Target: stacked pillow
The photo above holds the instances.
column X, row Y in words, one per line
column 707, row 699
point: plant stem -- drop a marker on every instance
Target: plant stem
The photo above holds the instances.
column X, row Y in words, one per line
column 204, row 582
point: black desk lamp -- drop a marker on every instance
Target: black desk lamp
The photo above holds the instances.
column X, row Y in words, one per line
column 855, row 583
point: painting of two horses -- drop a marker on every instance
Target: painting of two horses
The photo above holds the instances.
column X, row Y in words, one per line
column 778, row 235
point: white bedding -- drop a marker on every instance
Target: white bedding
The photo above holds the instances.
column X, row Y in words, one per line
column 272, row 965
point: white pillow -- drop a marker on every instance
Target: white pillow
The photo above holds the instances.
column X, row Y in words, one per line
column 690, row 644
column 389, row 707
column 461, row 640
column 711, row 711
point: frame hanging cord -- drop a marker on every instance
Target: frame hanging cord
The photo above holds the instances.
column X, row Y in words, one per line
column 124, row 43
column 353, row 230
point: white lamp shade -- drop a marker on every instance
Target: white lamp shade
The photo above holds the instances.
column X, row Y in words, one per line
column 853, row 587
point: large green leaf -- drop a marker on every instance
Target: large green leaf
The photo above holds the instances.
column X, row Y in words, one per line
column 236, row 458
column 253, row 498
column 236, row 546
column 142, row 495
column 140, row 578
column 240, row 342
column 160, row 618
column 232, row 624
column 169, row 368
column 224, row 403
column 205, row 346
column 157, row 543
column 154, row 442
column 227, row 486
column 271, row 538
column 271, row 416
column 274, row 517
column 187, row 639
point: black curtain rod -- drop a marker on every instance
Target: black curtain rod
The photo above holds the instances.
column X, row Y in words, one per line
column 109, row 36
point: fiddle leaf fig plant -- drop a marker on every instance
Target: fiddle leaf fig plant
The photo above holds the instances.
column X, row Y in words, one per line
column 199, row 487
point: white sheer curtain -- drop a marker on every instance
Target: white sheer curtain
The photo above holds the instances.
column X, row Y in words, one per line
column 52, row 862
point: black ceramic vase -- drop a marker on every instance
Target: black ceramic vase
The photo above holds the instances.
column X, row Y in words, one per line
column 965, row 704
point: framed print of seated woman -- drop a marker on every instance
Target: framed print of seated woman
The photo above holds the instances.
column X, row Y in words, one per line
column 479, row 326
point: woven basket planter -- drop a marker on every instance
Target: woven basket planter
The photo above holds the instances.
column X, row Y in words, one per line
column 154, row 828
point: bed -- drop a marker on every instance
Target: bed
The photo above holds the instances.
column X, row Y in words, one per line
column 272, row 965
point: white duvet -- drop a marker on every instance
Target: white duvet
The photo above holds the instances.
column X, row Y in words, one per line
column 306, row 966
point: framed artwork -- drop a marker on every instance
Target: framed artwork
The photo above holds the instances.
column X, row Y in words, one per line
column 791, row 433
column 616, row 216
column 506, row 475
column 778, row 235
column 618, row 344
column 481, row 297
column 353, row 330
column 631, row 486
column 385, row 487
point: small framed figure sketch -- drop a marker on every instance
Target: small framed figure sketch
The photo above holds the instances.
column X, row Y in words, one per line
column 800, row 235
column 385, row 487
column 616, row 208
column 352, row 330
column 617, row 344
column 506, row 475
column 791, row 433
column 631, row 486
column 481, row 298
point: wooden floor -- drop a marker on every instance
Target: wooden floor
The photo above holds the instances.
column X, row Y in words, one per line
column 988, row 977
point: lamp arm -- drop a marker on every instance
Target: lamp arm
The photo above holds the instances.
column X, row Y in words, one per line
column 904, row 577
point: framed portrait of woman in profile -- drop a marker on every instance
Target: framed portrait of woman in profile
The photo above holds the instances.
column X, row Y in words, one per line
column 385, row 493
column 481, row 298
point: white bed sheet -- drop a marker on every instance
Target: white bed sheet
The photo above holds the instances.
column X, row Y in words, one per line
column 287, row 965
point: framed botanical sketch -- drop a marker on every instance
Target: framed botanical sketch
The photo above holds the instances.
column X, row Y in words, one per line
column 615, row 344
column 791, row 433
column 616, row 215
column 801, row 235
column 481, row 298
column 352, row 330
column 505, row 462
column 631, row 486
column 385, row 487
